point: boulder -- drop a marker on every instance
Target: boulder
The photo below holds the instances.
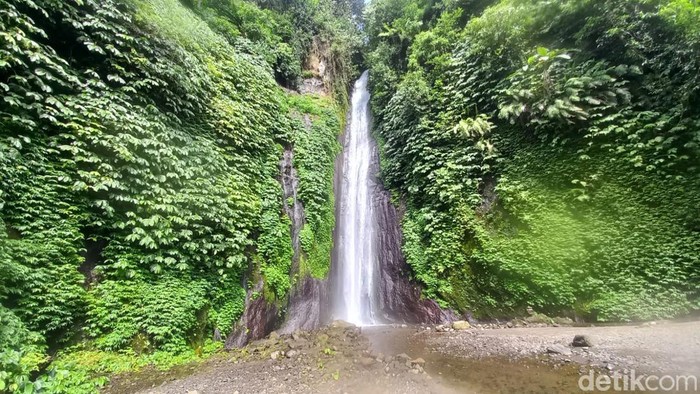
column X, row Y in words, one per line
column 274, row 335
column 582, row 341
column 418, row 361
column 461, row 325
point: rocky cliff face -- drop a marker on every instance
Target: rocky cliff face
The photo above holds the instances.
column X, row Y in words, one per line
column 259, row 318
column 399, row 298
column 306, row 309
column 306, row 306
column 293, row 208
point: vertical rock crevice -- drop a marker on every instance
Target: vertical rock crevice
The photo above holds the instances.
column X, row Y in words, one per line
column 306, row 305
column 293, row 208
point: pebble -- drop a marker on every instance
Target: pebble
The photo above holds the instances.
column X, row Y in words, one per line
column 291, row 353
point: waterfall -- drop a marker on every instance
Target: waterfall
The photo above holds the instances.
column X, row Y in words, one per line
column 356, row 255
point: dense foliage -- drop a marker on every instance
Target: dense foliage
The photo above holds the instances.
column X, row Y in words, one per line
column 140, row 143
column 547, row 151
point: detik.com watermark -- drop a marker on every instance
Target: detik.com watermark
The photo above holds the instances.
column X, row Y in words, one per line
column 619, row 381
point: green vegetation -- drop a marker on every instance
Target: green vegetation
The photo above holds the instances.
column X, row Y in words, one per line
column 547, row 151
column 139, row 162
column 316, row 125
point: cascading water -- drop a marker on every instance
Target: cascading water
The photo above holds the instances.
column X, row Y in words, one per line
column 356, row 257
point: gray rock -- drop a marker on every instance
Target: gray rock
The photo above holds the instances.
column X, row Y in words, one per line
column 275, row 355
column 558, row 349
column 291, row 353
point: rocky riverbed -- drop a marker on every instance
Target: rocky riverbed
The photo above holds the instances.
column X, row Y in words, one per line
column 430, row 359
column 662, row 347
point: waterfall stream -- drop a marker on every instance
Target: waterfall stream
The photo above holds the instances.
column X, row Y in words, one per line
column 355, row 242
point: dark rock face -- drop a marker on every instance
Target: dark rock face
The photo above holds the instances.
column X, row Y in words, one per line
column 308, row 306
column 289, row 181
column 399, row 298
column 259, row 318
column 304, row 304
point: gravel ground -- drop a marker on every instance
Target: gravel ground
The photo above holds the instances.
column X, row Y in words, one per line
column 333, row 360
column 345, row 359
column 662, row 347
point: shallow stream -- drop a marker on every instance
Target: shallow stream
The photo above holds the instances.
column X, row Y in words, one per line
column 461, row 375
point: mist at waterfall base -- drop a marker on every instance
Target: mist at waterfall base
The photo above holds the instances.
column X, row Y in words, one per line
column 356, row 252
